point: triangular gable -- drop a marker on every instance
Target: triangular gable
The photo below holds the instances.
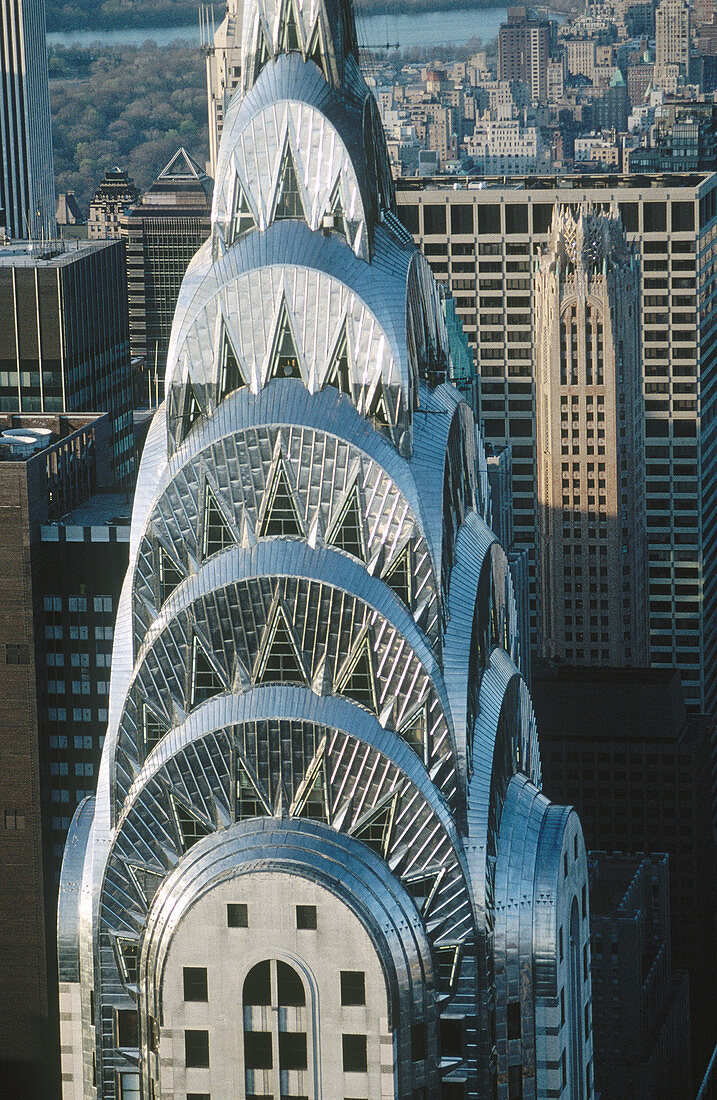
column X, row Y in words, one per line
column 378, row 410
column 192, row 410
column 399, row 576
column 206, row 682
column 261, row 53
column 281, row 515
column 336, row 211
column 170, row 575
column 146, row 881
column 315, row 51
column 284, row 359
column 216, row 533
column 280, row 660
column 311, row 800
column 242, row 218
column 191, row 828
column 358, row 682
column 230, row 373
column 347, row 532
column 423, row 889
column 376, row 830
column 153, row 729
column 250, row 801
column 289, row 202
column 289, row 31
column 414, row 730
column 338, row 374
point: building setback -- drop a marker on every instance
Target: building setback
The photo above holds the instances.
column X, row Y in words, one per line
column 47, row 465
column 27, row 178
column 64, row 340
column 318, row 863
column 482, row 240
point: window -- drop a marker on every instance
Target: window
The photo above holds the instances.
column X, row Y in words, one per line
column 516, row 219
column 195, row 983
column 18, row 655
column 127, row 1028
column 353, row 987
column 461, row 218
column 237, row 915
column 196, row 1049
column 306, row 917
column 14, row 820
column 489, row 218
column 434, row 219
column 129, row 1086
column 354, row 1052
column 514, row 1028
column 418, row 1042
column 292, row 1050
column 451, row 1037
column 257, row 985
column 257, row 1050
column 290, row 990
column 409, row 216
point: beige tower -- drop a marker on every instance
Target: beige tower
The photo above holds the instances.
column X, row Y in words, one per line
column 672, row 40
column 590, row 445
column 223, row 53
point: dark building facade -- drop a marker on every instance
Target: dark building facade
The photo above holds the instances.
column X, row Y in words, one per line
column 48, row 464
column 620, row 746
column 163, row 232
column 64, row 339
column 641, row 1016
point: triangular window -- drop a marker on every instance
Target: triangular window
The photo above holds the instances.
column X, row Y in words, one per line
column 153, row 730
column 147, row 882
column 249, row 801
column 414, row 730
column 398, row 576
column 206, row 683
column 358, row 682
column 192, row 411
column 284, row 358
column 423, row 890
column 289, row 203
column 170, row 575
column 316, row 50
column 281, row 516
column 281, row 660
column 242, row 218
column 336, row 210
column 313, row 802
column 289, row 36
column 128, row 951
column 191, row 829
column 347, row 532
column 262, row 53
column 377, row 831
column 448, row 959
column 230, row 375
column 338, row 373
column 217, row 535
column 377, row 409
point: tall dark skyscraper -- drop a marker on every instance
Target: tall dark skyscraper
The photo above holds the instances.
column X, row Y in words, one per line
column 27, row 178
column 318, row 863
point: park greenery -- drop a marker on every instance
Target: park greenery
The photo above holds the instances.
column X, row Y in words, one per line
column 126, row 106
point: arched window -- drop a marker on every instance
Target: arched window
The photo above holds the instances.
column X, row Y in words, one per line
column 276, row 1031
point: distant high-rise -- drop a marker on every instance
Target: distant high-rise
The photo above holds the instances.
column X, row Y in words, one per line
column 163, row 232
column 592, row 548
column 223, row 53
column 27, row 178
column 523, row 46
column 114, row 195
column 672, row 40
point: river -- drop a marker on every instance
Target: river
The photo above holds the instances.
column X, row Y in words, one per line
column 437, row 28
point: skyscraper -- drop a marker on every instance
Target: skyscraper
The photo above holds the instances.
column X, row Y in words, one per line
column 590, row 444
column 481, row 240
column 318, row 863
column 672, row 40
column 27, row 178
column 523, row 47
column 223, row 54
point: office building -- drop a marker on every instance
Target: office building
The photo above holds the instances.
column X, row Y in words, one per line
column 163, row 232
column 48, row 465
column 27, row 176
column 590, row 444
column 641, row 1012
column 109, row 204
column 523, row 48
column 482, row 239
column 672, row 41
column 222, row 49
column 64, row 340
column 318, row 862
column 620, row 746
